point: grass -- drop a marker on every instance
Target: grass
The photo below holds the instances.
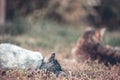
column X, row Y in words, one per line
column 112, row 38
column 84, row 71
column 48, row 36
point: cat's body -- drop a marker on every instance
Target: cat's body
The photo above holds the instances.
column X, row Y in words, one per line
column 12, row 56
column 90, row 46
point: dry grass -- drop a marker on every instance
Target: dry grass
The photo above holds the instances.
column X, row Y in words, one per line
column 49, row 37
column 75, row 71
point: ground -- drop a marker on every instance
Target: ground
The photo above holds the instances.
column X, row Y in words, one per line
column 47, row 37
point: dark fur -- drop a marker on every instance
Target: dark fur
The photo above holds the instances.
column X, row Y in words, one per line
column 52, row 65
column 90, row 46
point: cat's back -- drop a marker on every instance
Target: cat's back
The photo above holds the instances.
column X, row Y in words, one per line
column 15, row 56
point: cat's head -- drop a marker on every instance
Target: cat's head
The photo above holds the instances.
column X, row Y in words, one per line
column 92, row 36
column 51, row 65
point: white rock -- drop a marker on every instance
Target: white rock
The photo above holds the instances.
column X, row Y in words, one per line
column 12, row 56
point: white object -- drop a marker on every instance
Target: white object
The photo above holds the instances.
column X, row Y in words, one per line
column 12, row 56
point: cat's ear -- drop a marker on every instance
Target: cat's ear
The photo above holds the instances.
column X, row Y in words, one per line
column 99, row 33
column 52, row 57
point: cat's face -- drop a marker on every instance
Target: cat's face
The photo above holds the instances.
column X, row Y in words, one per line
column 93, row 36
column 51, row 65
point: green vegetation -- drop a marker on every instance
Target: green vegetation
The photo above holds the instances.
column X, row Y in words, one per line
column 112, row 38
column 44, row 34
column 30, row 25
column 47, row 36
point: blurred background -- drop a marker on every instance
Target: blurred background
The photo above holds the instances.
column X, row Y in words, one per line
column 55, row 25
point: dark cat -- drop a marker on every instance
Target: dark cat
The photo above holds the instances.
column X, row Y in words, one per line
column 90, row 46
column 52, row 65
